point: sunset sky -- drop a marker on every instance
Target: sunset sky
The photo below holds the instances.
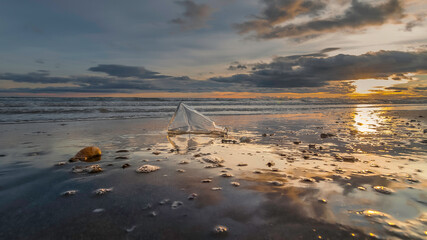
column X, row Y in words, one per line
column 217, row 48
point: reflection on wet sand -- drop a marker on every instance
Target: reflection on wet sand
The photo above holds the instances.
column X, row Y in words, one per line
column 303, row 176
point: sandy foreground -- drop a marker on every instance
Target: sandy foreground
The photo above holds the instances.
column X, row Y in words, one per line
column 345, row 174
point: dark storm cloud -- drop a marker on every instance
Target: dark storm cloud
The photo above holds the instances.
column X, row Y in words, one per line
column 314, row 71
column 194, row 16
column 274, row 20
column 126, row 71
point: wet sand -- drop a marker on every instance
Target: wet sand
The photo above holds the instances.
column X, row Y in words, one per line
column 302, row 176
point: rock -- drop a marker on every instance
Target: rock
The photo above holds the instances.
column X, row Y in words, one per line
column 98, row 210
column 297, row 142
column 60, row 163
column 374, row 165
column 308, row 180
column 125, row 165
column 213, row 159
column 382, row 189
column 349, row 158
column 122, row 151
column 257, row 172
column 216, row 188
column 424, row 141
column 156, row 152
column 87, row 154
column 184, row 162
column 270, row 164
column 326, row 135
column 276, row 183
column 235, row 184
column 121, row 157
column 130, row 229
column 102, row 191
column 2, row 155
column 226, row 175
column 425, row 130
column 220, row 229
column 153, row 214
column 361, row 188
column 206, row 180
column 192, row 196
column 164, row 201
column 180, row 170
column 88, row 169
column 311, row 146
column 69, row 193
column 322, row 201
column 242, row 164
column 176, row 204
column 245, row 140
column 147, row 168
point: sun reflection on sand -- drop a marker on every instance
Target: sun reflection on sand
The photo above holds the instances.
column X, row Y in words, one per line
column 366, row 119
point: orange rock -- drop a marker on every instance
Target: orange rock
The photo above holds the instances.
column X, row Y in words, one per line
column 88, row 154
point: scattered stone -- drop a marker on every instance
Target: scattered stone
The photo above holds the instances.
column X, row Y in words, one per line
column 88, row 169
column 213, row 159
column 412, row 180
column 153, row 214
column 349, row 158
column 322, row 201
column 164, row 201
column 216, row 188
column 184, row 162
column 180, row 170
column 206, row 180
column 257, row 172
column 361, row 188
column 242, row 164
column 122, row 151
column 98, row 210
column 275, row 169
column 60, row 163
column 297, row 142
column 87, row 154
column 192, row 196
column 226, row 175
column 102, row 191
column 276, row 183
column 270, row 164
column 125, row 165
column 308, row 180
column 69, row 193
column 121, row 157
column 156, row 152
column 220, row 229
column 374, row 165
column 130, row 229
column 235, row 184
column 245, row 140
column 176, row 204
column 147, row 168
column 383, row 190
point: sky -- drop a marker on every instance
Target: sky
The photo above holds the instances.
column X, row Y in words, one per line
column 216, row 48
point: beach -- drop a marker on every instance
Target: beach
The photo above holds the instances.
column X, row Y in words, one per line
column 336, row 172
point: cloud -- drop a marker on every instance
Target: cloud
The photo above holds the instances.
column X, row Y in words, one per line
column 315, row 70
column 418, row 21
column 194, row 16
column 126, row 71
column 275, row 20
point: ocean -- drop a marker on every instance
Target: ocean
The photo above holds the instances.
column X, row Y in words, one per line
column 43, row 109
